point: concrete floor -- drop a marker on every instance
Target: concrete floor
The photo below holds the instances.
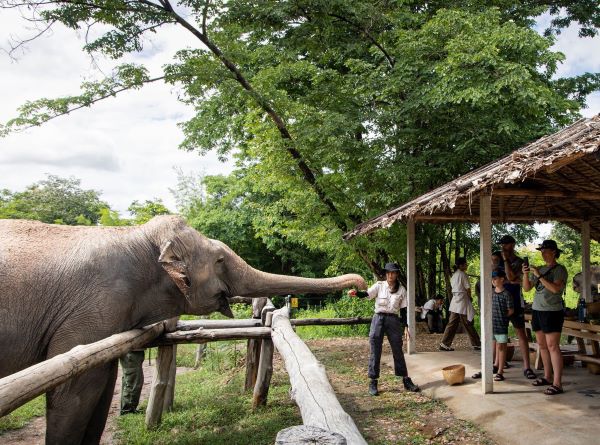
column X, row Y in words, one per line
column 516, row 413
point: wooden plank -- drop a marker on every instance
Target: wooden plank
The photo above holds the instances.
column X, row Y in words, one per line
column 509, row 191
column 264, row 374
column 587, row 358
column 485, row 243
column 23, row 386
column 192, row 325
column 311, row 389
column 156, row 400
column 410, row 284
column 208, row 335
column 581, row 334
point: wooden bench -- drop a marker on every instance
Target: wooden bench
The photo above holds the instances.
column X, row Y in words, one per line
column 581, row 332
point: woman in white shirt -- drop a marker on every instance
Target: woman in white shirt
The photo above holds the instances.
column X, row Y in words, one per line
column 390, row 297
column 461, row 308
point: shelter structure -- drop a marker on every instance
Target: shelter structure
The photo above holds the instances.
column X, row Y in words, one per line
column 556, row 178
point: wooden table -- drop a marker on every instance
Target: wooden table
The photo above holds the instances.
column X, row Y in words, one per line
column 581, row 332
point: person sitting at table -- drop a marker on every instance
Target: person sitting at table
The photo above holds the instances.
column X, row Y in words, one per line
column 432, row 311
column 548, row 313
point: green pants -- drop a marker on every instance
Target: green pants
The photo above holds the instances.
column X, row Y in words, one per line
column 132, row 381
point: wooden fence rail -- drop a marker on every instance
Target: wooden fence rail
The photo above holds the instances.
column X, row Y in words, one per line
column 23, row 386
column 311, row 389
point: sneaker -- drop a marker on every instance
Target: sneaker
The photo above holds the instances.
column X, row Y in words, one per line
column 409, row 385
column 443, row 347
column 373, row 388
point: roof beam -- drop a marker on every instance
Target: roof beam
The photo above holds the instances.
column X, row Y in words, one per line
column 496, row 218
column 590, row 196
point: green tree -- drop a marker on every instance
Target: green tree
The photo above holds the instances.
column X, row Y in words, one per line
column 53, row 200
column 144, row 212
column 338, row 110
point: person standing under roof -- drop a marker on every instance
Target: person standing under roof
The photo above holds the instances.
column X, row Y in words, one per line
column 548, row 313
column 513, row 265
column 461, row 308
column 390, row 298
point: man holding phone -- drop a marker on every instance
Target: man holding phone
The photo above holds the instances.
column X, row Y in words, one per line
column 513, row 268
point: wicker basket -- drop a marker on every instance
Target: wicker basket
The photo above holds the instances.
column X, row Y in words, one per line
column 454, row 374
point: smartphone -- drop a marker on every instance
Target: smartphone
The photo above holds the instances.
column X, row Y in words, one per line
column 526, row 261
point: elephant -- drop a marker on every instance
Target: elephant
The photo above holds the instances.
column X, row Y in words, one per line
column 63, row 286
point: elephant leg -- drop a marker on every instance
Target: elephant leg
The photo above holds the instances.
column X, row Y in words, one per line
column 76, row 411
column 97, row 423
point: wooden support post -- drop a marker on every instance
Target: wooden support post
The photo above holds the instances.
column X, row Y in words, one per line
column 410, row 284
column 170, row 391
column 252, row 358
column 156, row 401
column 485, row 243
column 263, row 376
column 23, row 386
column 265, row 366
column 586, row 270
column 311, row 389
column 199, row 355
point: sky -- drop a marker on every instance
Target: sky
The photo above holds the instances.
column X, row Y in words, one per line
column 127, row 147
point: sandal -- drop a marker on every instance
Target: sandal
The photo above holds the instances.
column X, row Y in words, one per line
column 477, row 375
column 529, row 373
column 507, row 365
column 553, row 390
column 499, row 378
column 541, row 382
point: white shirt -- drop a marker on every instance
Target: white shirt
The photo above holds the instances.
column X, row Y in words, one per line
column 429, row 306
column 387, row 302
column 461, row 303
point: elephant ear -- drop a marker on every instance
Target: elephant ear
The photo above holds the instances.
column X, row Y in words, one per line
column 176, row 268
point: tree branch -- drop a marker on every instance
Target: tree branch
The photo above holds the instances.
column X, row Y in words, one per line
column 369, row 36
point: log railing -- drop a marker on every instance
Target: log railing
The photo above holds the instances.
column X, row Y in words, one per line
column 269, row 329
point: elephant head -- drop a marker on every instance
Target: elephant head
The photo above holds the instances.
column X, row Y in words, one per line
column 208, row 272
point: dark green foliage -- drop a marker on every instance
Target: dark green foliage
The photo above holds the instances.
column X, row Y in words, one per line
column 53, row 200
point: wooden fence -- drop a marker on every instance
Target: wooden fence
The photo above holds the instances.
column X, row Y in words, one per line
column 324, row 419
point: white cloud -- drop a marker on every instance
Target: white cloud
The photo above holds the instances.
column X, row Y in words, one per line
column 126, row 147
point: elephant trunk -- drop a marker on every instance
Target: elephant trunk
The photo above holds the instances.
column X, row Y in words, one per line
column 256, row 283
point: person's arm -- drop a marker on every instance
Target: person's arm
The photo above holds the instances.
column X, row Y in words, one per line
column 466, row 284
column 509, row 305
column 511, row 275
column 363, row 293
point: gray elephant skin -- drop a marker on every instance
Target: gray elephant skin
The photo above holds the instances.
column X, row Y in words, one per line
column 62, row 286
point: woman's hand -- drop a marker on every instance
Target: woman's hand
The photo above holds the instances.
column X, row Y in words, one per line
column 352, row 293
column 536, row 271
column 525, row 269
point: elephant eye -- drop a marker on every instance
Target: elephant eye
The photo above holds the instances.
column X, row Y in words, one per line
column 220, row 260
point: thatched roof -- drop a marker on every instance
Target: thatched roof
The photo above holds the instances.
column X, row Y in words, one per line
column 556, row 178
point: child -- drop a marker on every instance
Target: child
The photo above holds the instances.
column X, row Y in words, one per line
column 502, row 309
column 432, row 311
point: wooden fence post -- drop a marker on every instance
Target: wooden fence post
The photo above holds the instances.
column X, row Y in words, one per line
column 253, row 351
column 265, row 369
column 156, row 401
column 170, row 391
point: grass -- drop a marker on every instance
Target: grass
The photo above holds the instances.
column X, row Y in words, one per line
column 212, row 408
column 23, row 415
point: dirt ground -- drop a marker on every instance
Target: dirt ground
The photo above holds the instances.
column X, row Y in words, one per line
column 377, row 417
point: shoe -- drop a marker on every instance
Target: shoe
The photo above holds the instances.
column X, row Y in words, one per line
column 443, row 347
column 499, row 378
column 409, row 385
column 373, row 388
column 529, row 373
